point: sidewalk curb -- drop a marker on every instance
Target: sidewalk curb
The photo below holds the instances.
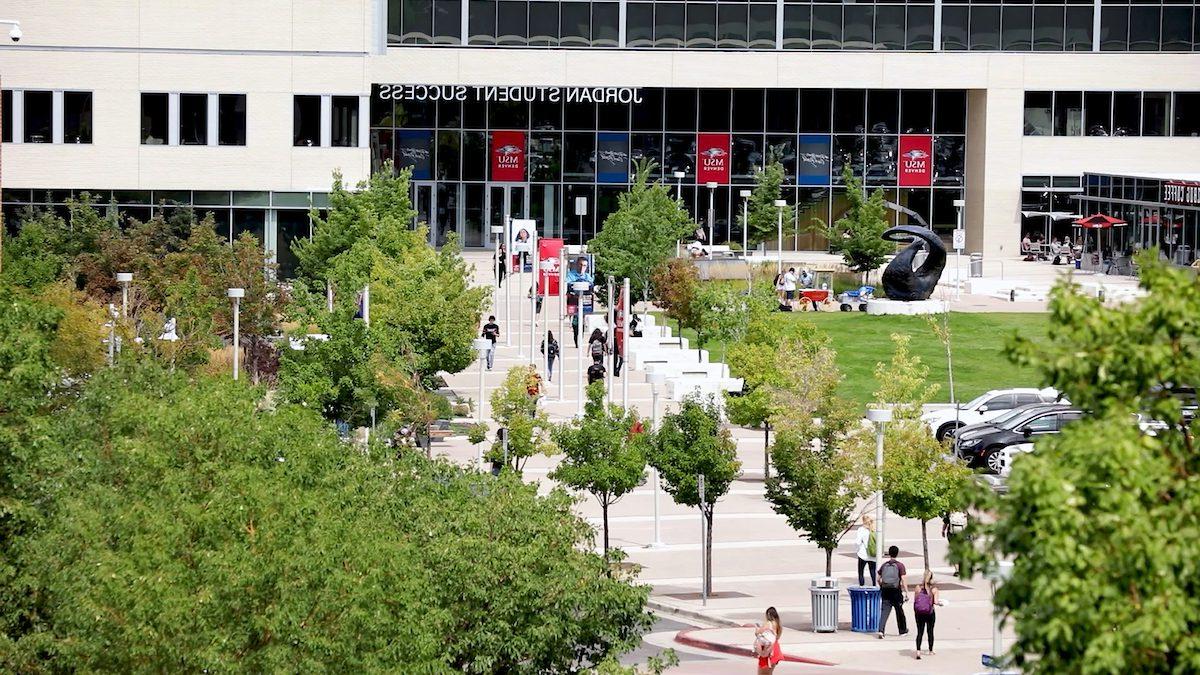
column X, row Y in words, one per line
column 684, row 637
column 664, row 608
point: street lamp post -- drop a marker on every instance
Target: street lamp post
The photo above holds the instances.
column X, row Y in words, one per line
column 959, row 241
column 481, row 346
column 998, row 576
column 712, row 235
column 497, row 233
column 880, row 416
column 236, row 294
column 779, row 206
column 655, row 379
column 580, row 287
column 745, row 195
column 124, row 278
column 679, row 184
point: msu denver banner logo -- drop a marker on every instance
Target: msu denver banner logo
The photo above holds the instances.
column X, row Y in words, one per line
column 712, row 158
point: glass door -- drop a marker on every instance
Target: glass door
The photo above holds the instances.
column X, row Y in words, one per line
column 424, row 202
column 505, row 201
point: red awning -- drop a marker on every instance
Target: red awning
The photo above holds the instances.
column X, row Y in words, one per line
column 1098, row 221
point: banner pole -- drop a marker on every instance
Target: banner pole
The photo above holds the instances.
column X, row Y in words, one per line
column 533, row 298
column 562, row 309
column 612, row 337
column 624, row 347
column 507, row 262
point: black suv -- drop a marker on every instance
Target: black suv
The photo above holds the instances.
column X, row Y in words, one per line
column 980, row 444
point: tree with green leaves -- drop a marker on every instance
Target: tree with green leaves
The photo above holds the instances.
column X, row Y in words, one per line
column 858, row 233
column 918, row 480
column 641, row 234
column 1099, row 521
column 604, row 452
column 184, row 512
column 762, row 212
column 514, row 408
column 676, row 283
column 691, row 443
column 817, row 482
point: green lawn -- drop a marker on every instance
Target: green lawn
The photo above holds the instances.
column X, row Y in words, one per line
column 978, row 340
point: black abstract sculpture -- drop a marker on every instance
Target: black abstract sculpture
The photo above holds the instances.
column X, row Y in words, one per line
column 900, row 280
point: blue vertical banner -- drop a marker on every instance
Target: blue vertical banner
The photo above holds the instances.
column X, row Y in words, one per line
column 612, row 158
column 812, row 159
column 415, row 149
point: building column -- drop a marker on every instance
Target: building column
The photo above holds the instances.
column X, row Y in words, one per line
column 993, row 172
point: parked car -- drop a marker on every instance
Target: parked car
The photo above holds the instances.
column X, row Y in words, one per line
column 984, row 408
column 1008, row 454
column 980, row 445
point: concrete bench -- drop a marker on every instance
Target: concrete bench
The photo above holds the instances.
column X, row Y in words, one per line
column 688, row 369
column 640, row 359
column 682, row 387
column 638, row 344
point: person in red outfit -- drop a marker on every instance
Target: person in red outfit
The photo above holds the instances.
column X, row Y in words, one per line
column 769, row 631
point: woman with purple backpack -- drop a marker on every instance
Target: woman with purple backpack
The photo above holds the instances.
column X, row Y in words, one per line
column 925, row 600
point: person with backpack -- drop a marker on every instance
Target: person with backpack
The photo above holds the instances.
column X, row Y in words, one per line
column 925, row 601
column 575, row 328
column 891, row 592
column 953, row 523
column 766, row 643
column 865, row 540
column 550, row 349
column 596, row 345
column 491, row 331
column 595, row 372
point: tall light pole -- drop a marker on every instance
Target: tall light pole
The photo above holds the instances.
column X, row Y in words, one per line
column 998, row 576
column 562, row 310
column 655, row 379
column 580, row 287
column 236, row 294
column 745, row 195
column 611, row 341
column 712, row 235
column 497, row 233
column 481, row 346
column 124, row 278
column 679, row 184
column 780, row 204
column 880, row 416
column 960, row 240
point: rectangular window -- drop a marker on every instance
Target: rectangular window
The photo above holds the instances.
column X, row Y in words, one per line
column 701, row 26
column 797, row 26
column 1068, row 113
column 39, row 115
column 1038, row 112
column 154, row 119
column 1097, row 112
column 481, row 22
column 731, row 26
column 1144, row 33
column 543, row 24
column 77, row 117
column 1114, row 28
column 985, row 28
column 231, row 119
column 1127, row 113
column 1175, row 34
column 447, row 22
column 639, row 24
column 306, row 121
column 668, row 25
column 1048, row 25
column 954, row 28
column 1187, row 114
column 762, row 27
column 193, row 119
column 889, row 27
column 1018, row 28
column 782, row 110
column 606, row 24
column 827, row 27
column 512, row 23
column 1155, row 113
column 345, row 122
column 6, row 103
column 576, row 29
column 919, row 36
column 1079, row 29
column 858, row 22
column 417, row 16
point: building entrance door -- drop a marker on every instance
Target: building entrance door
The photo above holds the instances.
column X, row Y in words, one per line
column 504, row 201
column 424, row 201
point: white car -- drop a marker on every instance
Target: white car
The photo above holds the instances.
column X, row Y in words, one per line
column 1009, row 453
column 983, row 408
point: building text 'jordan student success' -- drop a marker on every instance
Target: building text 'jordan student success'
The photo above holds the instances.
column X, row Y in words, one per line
column 462, row 92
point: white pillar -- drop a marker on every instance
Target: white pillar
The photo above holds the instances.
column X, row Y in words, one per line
column 533, row 298
column 236, row 294
column 508, row 327
column 655, row 379
column 779, row 204
column 880, row 416
column 610, row 339
column 562, row 310
column 625, row 312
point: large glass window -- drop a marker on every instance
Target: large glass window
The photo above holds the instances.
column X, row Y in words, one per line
column 6, row 106
column 1175, row 34
column 1097, row 113
column 605, row 24
column 1068, row 113
column 639, row 24
column 955, row 26
column 77, row 117
column 306, row 121
column 889, row 27
column 345, row 122
column 701, row 26
column 797, row 26
column 985, row 28
column 1144, row 26
column 512, row 22
column 1155, row 115
column 1127, row 113
column 1078, row 36
column 39, row 117
column 193, row 119
column 827, row 26
column 858, row 24
column 919, row 35
column 761, row 29
column 1187, row 114
column 732, row 26
column 481, row 22
column 231, row 119
column 1039, row 108
column 668, row 25
column 1114, row 28
column 1017, row 33
column 154, row 119
column 1048, row 23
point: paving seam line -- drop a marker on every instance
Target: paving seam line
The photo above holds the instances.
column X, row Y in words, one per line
column 684, row 637
column 717, row 621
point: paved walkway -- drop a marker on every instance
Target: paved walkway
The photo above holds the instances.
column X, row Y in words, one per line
column 758, row 560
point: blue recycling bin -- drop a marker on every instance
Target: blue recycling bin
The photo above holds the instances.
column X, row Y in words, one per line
column 864, row 609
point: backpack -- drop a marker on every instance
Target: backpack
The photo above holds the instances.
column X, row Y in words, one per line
column 554, row 348
column 889, row 575
column 597, row 349
column 871, row 544
column 923, row 603
column 764, row 643
column 958, row 522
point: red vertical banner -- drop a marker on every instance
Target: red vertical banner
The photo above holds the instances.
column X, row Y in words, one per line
column 549, row 273
column 712, row 158
column 508, row 156
column 915, row 162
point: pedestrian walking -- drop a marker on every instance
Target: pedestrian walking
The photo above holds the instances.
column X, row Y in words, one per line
column 550, row 349
column 575, row 328
column 766, row 643
column 953, row 523
column 596, row 345
column 491, row 331
column 865, row 540
column 925, row 602
column 891, row 592
column 618, row 351
column 789, row 286
column 595, row 372
column 501, row 264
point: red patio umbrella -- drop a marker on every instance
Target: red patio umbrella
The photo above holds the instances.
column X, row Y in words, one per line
column 1098, row 221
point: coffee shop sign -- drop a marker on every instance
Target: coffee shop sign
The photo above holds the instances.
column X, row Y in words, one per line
column 462, row 92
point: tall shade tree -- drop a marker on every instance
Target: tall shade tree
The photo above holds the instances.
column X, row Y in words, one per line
column 817, row 481
column 858, row 233
column 763, row 214
column 676, row 284
column 691, row 443
column 189, row 525
column 1100, row 520
column 641, row 234
column 604, row 453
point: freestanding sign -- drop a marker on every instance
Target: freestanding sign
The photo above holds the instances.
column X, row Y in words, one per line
column 812, row 159
column 548, row 271
column 508, row 156
column 712, row 158
column 915, row 162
